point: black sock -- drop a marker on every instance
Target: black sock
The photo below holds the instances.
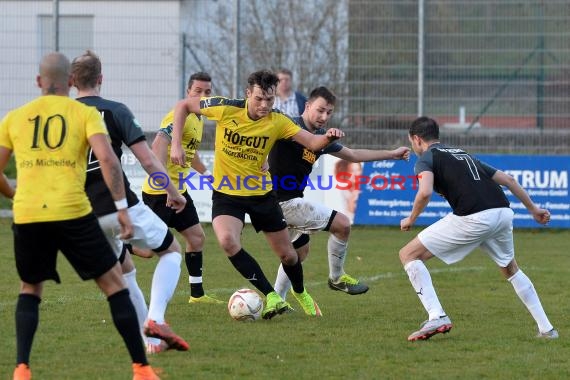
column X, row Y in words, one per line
column 295, row 274
column 126, row 322
column 27, row 318
column 194, row 265
column 250, row 270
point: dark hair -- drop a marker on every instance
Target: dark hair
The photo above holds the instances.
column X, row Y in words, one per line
column 286, row 72
column 425, row 128
column 323, row 92
column 264, row 78
column 201, row 76
column 86, row 69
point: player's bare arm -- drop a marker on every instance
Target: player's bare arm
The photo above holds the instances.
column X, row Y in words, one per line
column 541, row 215
column 317, row 142
column 160, row 147
column 425, row 189
column 113, row 176
column 151, row 164
column 364, row 155
column 181, row 111
column 198, row 165
column 5, row 188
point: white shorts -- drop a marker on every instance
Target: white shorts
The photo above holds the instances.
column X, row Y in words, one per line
column 305, row 217
column 149, row 230
column 452, row 238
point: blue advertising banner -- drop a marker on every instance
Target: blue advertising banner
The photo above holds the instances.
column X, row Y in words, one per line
column 388, row 188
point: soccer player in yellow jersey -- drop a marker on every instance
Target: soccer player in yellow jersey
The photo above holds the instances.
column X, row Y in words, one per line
column 154, row 195
column 50, row 137
column 246, row 129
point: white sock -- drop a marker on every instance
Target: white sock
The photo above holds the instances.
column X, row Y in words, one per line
column 164, row 283
column 337, row 256
column 137, row 298
column 528, row 295
column 421, row 281
column 282, row 282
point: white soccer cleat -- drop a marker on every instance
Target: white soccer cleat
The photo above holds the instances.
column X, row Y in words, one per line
column 552, row 334
column 431, row 327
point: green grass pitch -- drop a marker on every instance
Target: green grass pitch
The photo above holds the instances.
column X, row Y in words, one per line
column 359, row 337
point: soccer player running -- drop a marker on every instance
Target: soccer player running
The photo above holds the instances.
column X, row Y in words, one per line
column 50, row 137
column 481, row 218
column 149, row 230
column 154, row 194
column 246, row 129
column 290, row 164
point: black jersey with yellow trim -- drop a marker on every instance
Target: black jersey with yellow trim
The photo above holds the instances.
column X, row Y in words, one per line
column 290, row 164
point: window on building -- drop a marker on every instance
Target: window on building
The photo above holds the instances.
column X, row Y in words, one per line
column 75, row 34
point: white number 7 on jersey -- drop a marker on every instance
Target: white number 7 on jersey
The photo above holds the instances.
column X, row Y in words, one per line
column 470, row 163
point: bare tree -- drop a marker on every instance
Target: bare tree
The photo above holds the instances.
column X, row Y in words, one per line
column 308, row 37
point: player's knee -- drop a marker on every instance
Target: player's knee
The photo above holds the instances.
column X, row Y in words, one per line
column 197, row 240
column 229, row 244
column 404, row 256
column 289, row 258
column 340, row 226
column 510, row 270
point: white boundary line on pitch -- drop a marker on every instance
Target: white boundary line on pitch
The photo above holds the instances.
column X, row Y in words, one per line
column 375, row 278
column 97, row 295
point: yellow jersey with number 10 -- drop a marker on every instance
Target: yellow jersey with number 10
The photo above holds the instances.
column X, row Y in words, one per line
column 49, row 137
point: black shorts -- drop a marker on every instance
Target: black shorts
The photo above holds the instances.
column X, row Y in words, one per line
column 264, row 210
column 80, row 240
column 181, row 221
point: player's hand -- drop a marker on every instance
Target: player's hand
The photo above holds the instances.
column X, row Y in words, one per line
column 265, row 166
column 334, row 134
column 402, row 153
column 541, row 215
column 127, row 230
column 177, row 155
column 177, row 202
column 406, row 224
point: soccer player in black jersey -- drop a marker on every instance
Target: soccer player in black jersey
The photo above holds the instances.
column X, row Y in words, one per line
column 481, row 217
column 150, row 231
column 290, row 163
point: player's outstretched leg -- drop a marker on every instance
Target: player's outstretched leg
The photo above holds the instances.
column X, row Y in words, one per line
column 164, row 281
column 527, row 293
column 337, row 248
column 438, row 321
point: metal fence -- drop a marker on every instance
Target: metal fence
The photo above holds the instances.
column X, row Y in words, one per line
column 481, row 68
column 493, row 73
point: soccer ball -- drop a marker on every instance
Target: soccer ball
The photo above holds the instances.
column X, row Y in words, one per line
column 245, row 305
